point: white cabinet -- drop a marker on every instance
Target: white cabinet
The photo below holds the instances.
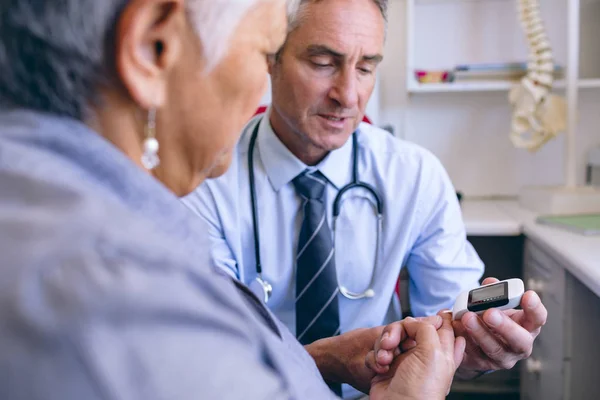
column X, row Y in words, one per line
column 564, row 363
column 541, row 375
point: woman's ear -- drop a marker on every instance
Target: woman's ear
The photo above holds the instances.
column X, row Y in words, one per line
column 150, row 35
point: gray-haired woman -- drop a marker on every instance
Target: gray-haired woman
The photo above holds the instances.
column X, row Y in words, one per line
column 110, row 110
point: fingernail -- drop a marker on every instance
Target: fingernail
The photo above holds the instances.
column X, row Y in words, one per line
column 534, row 301
column 381, row 354
column 494, row 318
column 384, row 336
column 409, row 319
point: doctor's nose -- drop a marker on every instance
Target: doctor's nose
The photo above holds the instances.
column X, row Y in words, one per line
column 344, row 90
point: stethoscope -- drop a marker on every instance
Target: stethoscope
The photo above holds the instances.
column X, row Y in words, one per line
column 267, row 288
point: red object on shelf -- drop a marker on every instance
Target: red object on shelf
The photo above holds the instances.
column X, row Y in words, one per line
column 423, row 76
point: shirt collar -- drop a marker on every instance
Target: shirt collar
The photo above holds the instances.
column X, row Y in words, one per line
column 282, row 166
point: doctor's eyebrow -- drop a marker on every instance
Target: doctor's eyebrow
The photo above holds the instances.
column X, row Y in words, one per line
column 316, row 50
column 321, row 50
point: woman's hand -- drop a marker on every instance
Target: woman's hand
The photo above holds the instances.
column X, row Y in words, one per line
column 426, row 370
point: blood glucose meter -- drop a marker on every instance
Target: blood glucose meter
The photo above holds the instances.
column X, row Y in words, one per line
column 502, row 295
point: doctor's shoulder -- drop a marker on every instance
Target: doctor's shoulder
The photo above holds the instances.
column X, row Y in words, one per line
column 399, row 156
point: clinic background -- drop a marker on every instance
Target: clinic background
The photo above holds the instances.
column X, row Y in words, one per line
column 467, row 127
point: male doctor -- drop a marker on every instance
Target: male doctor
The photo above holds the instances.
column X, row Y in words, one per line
column 272, row 225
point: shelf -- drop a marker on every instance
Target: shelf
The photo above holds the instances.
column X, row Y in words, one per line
column 486, row 86
column 479, row 86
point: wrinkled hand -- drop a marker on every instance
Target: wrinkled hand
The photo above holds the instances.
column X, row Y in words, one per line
column 500, row 338
column 342, row 358
column 423, row 372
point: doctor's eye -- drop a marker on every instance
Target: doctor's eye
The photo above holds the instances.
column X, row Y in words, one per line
column 321, row 65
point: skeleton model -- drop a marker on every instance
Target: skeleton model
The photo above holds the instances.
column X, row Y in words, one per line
column 538, row 115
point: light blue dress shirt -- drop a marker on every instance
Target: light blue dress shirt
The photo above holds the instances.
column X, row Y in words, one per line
column 105, row 289
column 423, row 228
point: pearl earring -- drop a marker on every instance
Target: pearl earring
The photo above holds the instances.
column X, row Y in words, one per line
column 150, row 158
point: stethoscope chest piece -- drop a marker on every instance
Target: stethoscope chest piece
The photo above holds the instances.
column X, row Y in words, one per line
column 261, row 288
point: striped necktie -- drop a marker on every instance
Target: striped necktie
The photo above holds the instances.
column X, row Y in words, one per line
column 317, row 310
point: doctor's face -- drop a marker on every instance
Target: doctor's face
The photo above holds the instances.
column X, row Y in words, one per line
column 325, row 73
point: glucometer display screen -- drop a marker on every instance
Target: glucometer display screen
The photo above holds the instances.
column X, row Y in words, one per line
column 488, row 292
column 488, row 297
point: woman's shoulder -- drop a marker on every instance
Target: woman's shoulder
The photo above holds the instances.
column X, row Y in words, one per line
column 83, row 277
column 94, row 255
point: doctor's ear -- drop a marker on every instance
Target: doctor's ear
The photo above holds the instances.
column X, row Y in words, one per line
column 271, row 61
column 274, row 60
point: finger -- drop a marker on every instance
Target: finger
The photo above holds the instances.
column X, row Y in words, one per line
column 394, row 333
column 391, row 336
column 372, row 364
column 446, row 332
column 413, row 327
column 512, row 312
column 489, row 280
column 472, row 352
column 517, row 339
column 385, row 357
column 460, row 345
column 407, row 345
column 425, row 334
column 386, row 348
column 459, row 329
column 489, row 344
column 535, row 313
column 433, row 320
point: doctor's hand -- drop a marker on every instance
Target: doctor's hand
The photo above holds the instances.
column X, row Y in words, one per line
column 423, row 372
column 341, row 358
column 501, row 338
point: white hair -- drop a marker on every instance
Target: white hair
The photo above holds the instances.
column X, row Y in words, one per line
column 216, row 20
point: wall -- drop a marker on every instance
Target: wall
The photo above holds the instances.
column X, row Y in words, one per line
column 469, row 131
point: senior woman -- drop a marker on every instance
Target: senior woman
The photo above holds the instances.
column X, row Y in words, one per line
column 110, row 110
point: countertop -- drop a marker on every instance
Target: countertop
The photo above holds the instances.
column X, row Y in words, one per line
column 579, row 254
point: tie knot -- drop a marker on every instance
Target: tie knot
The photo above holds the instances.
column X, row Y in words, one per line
column 311, row 185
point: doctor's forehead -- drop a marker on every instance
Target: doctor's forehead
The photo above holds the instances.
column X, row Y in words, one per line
column 340, row 25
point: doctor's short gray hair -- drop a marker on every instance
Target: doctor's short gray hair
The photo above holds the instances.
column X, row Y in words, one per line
column 295, row 13
column 54, row 55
